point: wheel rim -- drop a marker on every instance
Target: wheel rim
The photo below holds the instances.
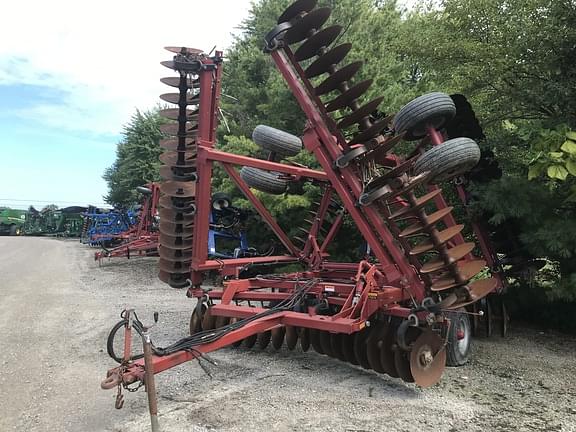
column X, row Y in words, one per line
column 463, row 336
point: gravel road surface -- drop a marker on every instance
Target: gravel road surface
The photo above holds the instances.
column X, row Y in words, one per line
column 57, row 305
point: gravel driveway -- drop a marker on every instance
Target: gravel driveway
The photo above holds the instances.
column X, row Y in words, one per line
column 57, row 306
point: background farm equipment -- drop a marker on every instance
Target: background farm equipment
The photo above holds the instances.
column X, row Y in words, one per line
column 402, row 309
column 64, row 222
column 102, row 227
column 140, row 239
column 11, row 221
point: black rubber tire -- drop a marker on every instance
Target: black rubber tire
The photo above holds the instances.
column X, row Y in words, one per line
column 457, row 353
column 221, row 200
column 434, row 109
column 264, row 181
column 14, row 230
column 449, row 159
column 277, row 141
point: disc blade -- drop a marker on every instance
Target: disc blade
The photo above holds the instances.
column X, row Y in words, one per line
column 302, row 27
column 340, row 76
column 477, row 290
column 349, row 96
column 420, row 202
column 191, row 129
column 427, row 359
column 174, row 215
column 183, row 205
column 174, row 268
column 304, row 335
column 174, row 98
column 296, row 9
column 325, row 342
column 175, row 82
column 315, row 341
column 443, row 237
column 178, row 189
column 278, row 337
column 386, row 351
column 364, row 111
column 347, row 347
column 183, row 50
column 373, row 344
column 454, row 254
column 323, row 63
column 174, row 114
column 360, row 347
column 175, row 159
column 316, row 42
column 174, row 280
column 178, row 173
column 419, row 227
column 173, row 255
column 336, row 346
column 173, row 144
column 371, row 132
column 263, row 339
column 291, row 337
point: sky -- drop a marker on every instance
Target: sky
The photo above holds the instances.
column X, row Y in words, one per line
column 71, row 75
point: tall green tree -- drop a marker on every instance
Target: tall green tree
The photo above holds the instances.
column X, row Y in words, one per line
column 137, row 160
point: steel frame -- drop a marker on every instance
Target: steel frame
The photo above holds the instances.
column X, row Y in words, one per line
column 391, row 285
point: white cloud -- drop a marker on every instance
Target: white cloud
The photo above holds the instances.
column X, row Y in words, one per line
column 104, row 55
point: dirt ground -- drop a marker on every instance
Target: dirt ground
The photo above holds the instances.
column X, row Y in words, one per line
column 57, row 305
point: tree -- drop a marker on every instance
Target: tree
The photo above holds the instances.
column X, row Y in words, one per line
column 137, row 160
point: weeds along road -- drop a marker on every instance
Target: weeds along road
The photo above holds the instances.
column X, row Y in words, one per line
column 57, row 306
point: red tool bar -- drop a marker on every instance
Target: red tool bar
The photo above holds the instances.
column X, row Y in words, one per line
column 216, row 155
column 241, row 262
column 368, row 220
column 210, row 86
column 262, row 211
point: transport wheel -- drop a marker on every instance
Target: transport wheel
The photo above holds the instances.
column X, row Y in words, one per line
column 14, row 230
column 264, row 181
column 459, row 338
column 276, row 141
column 433, row 109
column 360, row 347
column 448, row 160
column 115, row 343
column 196, row 319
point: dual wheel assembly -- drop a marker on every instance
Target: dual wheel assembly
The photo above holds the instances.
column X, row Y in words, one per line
column 278, row 145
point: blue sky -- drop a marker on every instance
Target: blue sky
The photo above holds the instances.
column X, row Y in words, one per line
column 73, row 78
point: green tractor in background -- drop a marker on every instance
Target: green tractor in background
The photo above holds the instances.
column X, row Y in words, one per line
column 52, row 221
column 11, row 221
